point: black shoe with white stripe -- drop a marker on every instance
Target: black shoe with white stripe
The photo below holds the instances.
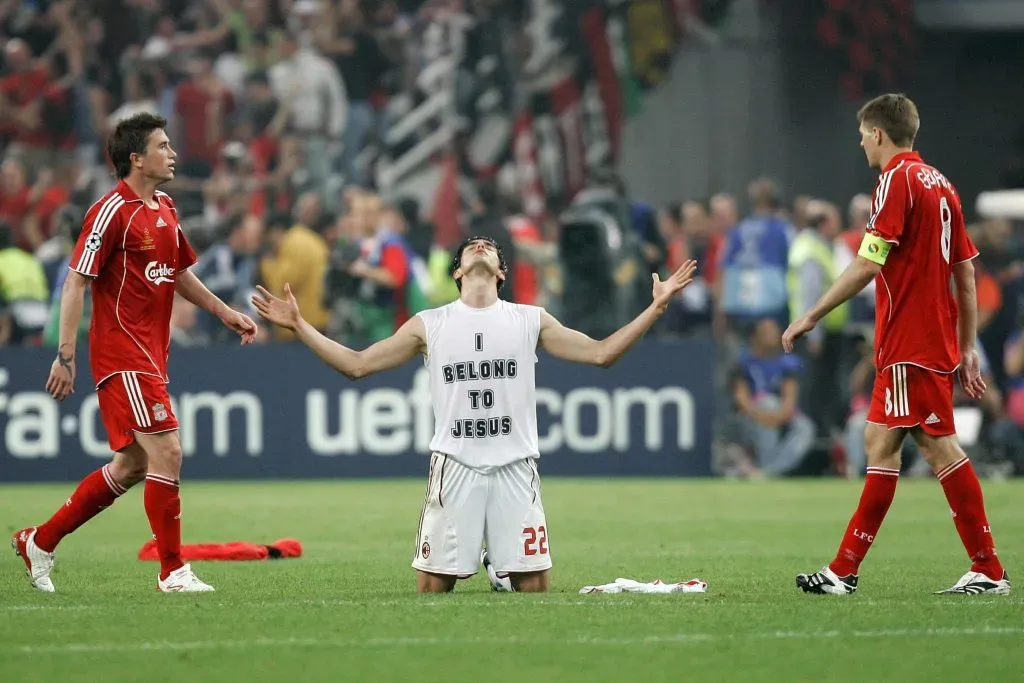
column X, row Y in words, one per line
column 826, row 582
column 976, row 583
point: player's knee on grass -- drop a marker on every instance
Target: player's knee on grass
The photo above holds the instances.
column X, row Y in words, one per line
column 883, row 446
column 531, row 582
column 434, row 583
column 938, row 451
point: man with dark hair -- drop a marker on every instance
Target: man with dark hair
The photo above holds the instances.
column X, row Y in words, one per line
column 480, row 354
column 915, row 244
column 134, row 254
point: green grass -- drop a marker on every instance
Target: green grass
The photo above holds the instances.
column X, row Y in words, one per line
column 346, row 611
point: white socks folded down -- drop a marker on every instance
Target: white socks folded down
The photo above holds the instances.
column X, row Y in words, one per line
column 656, row 586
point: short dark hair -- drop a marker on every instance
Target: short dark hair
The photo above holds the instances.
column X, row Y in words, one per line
column 130, row 137
column 457, row 259
column 896, row 114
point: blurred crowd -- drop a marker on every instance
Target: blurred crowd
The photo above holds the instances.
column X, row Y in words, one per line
column 278, row 108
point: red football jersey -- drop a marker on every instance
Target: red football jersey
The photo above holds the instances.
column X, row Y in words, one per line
column 918, row 211
column 133, row 252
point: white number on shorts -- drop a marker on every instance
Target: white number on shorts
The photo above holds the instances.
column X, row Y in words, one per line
column 536, row 541
column 946, row 216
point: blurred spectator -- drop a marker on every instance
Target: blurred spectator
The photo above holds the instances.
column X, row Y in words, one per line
column 15, row 202
column 298, row 256
column 862, row 306
column 755, row 261
column 184, row 328
column 860, row 385
column 1013, row 360
column 24, row 292
column 766, row 396
column 67, row 227
column 312, row 91
column 230, row 269
column 341, row 289
column 344, row 37
column 812, row 270
column 228, row 193
column 1001, row 258
column 384, row 268
column 257, row 33
column 27, row 93
column 140, row 95
column 799, row 219
column 691, row 312
column 526, row 236
column 202, row 106
column 1001, row 439
column 724, row 216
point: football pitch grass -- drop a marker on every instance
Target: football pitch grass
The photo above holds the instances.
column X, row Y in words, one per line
column 346, row 610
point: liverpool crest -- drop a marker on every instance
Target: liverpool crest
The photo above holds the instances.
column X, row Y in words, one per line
column 159, row 412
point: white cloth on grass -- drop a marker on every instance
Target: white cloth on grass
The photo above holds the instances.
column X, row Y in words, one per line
column 656, row 586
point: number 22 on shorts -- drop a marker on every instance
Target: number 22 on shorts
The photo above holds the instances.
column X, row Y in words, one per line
column 535, row 541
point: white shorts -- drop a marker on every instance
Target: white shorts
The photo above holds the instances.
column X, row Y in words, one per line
column 463, row 507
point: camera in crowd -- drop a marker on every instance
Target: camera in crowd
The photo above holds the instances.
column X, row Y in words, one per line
column 340, row 282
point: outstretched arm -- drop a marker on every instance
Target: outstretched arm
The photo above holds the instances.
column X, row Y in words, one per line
column 396, row 350
column 571, row 345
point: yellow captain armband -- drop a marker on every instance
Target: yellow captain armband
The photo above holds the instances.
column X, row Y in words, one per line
column 874, row 249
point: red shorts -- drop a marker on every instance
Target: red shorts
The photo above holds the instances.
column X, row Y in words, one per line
column 910, row 396
column 131, row 402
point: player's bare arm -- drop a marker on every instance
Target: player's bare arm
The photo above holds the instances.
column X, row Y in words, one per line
column 61, row 381
column 967, row 326
column 401, row 347
column 572, row 345
column 852, row 280
column 193, row 290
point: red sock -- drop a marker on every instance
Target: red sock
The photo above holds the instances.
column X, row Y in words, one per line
column 163, row 507
column 95, row 493
column 879, row 490
column 966, row 502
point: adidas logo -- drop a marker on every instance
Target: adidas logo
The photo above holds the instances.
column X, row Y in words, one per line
column 932, row 419
column 160, row 223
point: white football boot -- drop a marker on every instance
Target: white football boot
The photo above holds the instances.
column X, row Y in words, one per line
column 38, row 562
column 182, row 581
column 976, row 583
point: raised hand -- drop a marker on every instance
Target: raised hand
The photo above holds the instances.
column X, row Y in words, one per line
column 282, row 312
column 664, row 291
